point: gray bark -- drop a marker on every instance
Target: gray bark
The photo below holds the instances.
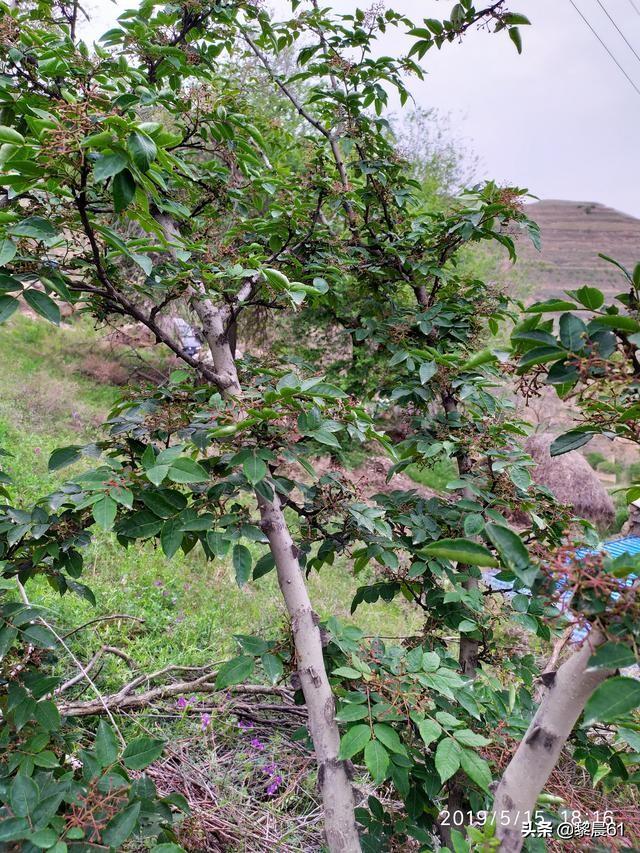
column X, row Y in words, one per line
column 538, row 752
column 337, row 793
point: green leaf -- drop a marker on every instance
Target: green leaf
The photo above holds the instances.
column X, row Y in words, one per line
column 616, row 321
column 218, row 544
column 513, row 553
column 187, row 470
column 171, row 537
column 24, row 795
column 461, row 551
column 140, row 525
column 468, row 738
column 612, row 656
column 550, row 305
column 569, row 441
column 376, row 759
column 40, row 636
column 34, row 226
column 64, row 456
column 347, row 672
column 44, row 838
column 265, row 564
column 590, row 297
column 516, row 38
column 8, row 306
column 476, row 768
column 611, row 699
column 104, row 512
column 234, row 671
column 164, row 503
column 255, row 469
column 124, row 189
column 43, row 305
column 389, row 738
column 272, row 666
column 142, row 149
column 252, row 645
column 157, row 473
column 630, row 737
column 8, row 635
column 141, row 752
column 350, row 713
column 106, row 744
column 429, row 731
column 573, row 332
column 10, row 136
column 354, row 741
column 473, row 524
column 427, row 370
column 242, row 564
column 324, row 437
column 47, row 714
column 14, row 829
column 539, row 355
column 8, row 251
column 447, row 758
column 108, row 165
column 121, row 826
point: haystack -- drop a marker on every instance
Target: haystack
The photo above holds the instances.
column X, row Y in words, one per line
column 571, row 479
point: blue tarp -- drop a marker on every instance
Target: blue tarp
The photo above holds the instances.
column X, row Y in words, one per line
column 615, row 547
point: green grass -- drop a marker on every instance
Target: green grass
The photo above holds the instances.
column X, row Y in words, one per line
column 191, row 608
column 435, row 476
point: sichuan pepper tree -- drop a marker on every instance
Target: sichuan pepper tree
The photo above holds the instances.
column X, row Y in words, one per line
column 141, row 181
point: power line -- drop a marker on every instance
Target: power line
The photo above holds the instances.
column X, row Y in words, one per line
column 626, row 40
column 605, row 46
column 633, row 5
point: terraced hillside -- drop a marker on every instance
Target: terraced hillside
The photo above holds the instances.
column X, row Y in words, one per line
column 573, row 233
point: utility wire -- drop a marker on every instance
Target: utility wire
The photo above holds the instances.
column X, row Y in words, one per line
column 605, row 46
column 633, row 5
column 626, row 40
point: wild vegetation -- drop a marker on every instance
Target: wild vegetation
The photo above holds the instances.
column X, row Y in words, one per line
column 212, row 162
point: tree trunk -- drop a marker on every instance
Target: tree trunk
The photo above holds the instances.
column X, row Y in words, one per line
column 539, row 750
column 337, row 793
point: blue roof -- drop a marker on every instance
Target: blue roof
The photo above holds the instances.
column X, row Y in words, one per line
column 614, row 547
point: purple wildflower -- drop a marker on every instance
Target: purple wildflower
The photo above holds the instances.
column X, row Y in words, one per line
column 206, row 721
column 256, row 743
column 157, row 583
column 181, row 703
column 245, row 725
column 269, row 769
column 274, row 785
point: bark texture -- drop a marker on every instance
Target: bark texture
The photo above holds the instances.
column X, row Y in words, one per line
column 539, row 750
column 337, row 792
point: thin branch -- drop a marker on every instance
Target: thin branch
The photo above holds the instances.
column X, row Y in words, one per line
column 113, row 617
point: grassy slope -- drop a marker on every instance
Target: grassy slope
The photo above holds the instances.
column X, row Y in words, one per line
column 191, row 608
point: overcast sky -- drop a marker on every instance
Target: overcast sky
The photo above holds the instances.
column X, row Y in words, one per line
column 560, row 119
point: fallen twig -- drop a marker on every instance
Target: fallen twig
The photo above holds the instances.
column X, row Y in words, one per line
column 122, row 700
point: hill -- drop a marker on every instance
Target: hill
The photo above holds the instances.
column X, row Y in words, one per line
column 573, row 234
